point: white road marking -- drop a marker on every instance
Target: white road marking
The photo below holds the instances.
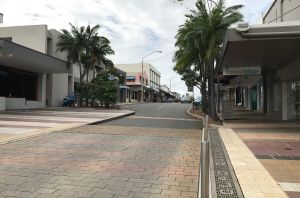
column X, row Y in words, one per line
column 162, row 106
column 163, row 118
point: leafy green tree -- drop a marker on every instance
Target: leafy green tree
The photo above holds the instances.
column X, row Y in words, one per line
column 105, row 87
column 199, row 42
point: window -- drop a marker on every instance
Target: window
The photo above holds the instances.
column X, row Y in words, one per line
column 130, row 78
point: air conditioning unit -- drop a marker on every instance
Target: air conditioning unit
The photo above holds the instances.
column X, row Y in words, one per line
column 242, row 27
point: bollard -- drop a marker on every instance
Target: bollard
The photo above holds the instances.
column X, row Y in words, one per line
column 206, row 129
column 204, row 169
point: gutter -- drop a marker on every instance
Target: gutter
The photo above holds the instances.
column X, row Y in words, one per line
column 273, row 34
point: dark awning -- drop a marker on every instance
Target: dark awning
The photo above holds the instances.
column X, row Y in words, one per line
column 19, row 57
column 271, row 46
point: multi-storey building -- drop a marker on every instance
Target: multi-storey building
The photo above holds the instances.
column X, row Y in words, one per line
column 33, row 74
column 151, row 83
column 283, row 10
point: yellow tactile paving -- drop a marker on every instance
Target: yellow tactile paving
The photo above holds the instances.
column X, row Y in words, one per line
column 254, row 179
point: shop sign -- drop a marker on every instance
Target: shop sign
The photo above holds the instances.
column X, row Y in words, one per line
column 241, row 71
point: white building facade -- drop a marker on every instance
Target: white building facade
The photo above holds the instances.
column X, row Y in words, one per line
column 33, row 74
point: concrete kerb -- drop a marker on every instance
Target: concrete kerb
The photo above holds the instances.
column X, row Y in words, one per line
column 40, row 132
column 113, row 118
column 201, row 118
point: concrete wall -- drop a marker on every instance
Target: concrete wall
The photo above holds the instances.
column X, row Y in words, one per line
column 31, row 36
column 52, row 39
column 283, row 10
column 21, row 103
column 57, row 89
column 2, row 103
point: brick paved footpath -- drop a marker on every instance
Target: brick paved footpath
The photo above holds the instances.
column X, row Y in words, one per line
column 102, row 161
column 277, row 146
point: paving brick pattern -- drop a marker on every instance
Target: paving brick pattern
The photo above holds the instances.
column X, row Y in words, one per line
column 280, row 141
column 97, row 161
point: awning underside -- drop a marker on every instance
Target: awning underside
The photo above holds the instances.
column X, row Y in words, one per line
column 271, row 54
column 19, row 57
column 271, row 46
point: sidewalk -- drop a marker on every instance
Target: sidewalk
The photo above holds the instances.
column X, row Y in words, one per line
column 265, row 156
column 21, row 124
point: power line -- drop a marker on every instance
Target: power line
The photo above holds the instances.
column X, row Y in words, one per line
column 275, row 19
column 162, row 57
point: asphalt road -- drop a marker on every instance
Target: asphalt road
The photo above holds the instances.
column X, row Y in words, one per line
column 158, row 115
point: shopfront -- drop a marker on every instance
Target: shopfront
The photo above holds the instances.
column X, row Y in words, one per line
column 274, row 90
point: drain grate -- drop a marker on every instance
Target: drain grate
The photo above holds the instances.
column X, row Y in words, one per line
column 224, row 182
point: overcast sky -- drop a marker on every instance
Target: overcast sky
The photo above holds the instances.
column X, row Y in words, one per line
column 135, row 27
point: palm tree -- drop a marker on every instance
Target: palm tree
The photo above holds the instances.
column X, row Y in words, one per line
column 203, row 34
column 97, row 48
column 86, row 48
column 73, row 43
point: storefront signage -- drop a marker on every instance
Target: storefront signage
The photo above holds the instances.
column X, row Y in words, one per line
column 241, row 71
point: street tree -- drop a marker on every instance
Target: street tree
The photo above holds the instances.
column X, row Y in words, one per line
column 86, row 48
column 199, row 42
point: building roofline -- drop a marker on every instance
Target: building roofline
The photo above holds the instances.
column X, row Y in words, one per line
column 15, row 26
column 269, row 10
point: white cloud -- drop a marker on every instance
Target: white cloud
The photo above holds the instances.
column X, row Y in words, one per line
column 135, row 27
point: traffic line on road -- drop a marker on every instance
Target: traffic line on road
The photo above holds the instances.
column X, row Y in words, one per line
column 162, row 118
column 162, row 106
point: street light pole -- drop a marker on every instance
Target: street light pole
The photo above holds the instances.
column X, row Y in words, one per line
column 142, row 83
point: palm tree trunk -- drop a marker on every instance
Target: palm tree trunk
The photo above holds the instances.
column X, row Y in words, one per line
column 94, row 71
column 80, row 80
column 87, row 82
column 211, row 90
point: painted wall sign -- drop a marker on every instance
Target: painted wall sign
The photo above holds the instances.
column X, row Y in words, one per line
column 241, row 71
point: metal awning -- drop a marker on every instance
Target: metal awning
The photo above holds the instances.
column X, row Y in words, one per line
column 271, row 46
column 16, row 56
column 123, row 87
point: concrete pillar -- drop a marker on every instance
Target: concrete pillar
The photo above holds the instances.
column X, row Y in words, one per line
column 41, row 92
column 258, row 95
column 71, row 84
column 218, row 95
column 58, row 89
column 284, row 89
column 249, row 98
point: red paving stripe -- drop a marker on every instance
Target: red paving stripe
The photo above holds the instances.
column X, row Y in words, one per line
column 274, row 148
column 293, row 194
